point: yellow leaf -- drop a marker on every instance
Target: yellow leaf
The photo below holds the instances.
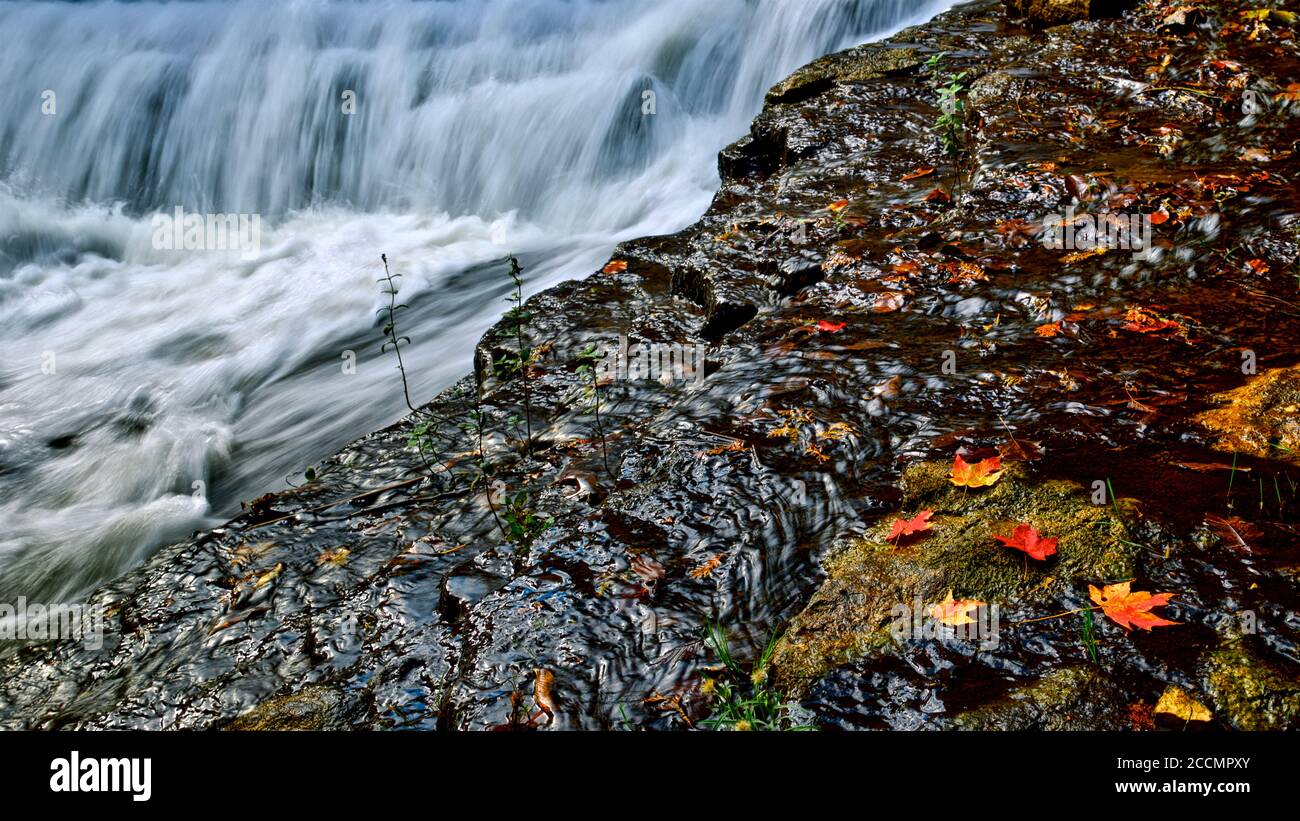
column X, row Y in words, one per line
column 1178, row 703
column 954, row 612
column 334, row 556
column 269, row 576
column 980, row 474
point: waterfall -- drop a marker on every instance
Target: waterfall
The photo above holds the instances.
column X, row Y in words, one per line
column 144, row 391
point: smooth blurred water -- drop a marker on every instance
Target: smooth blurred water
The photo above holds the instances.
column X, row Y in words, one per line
column 481, row 127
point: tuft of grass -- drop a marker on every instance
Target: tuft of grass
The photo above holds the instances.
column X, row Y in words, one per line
column 741, row 699
column 1088, row 636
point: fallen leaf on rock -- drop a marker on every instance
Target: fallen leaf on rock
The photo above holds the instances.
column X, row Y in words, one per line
column 707, row 568
column 963, row 272
column 889, row 389
column 981, row 474
column 1079, row 256
column 1026, row 539
column 1013, row 450
column 245, row 553
column 888, row 302
column 1130, row 609
column 734, row 446
column 1049, row 330
column 269, row 576
column 543, row 684
column 1182, row 18
column 836, row 431
column 1207, row 467
column 954, row 612
column 1140, row 716
column 837, row 206
column 614, row 266
column 1234, row 531
column 910, row 527
column 826, row 326
column 336, row 556
column 917, row 173
column 938, row 195
column 1143, row 321
column 1177, row 703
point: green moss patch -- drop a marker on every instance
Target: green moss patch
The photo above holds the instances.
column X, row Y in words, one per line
column 849, row 617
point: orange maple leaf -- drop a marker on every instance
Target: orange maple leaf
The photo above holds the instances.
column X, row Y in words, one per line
column 954, row 612
column 614, row 266
column 906, row 527
column 1130, row 609
column 1025, row 538
column 980, row 474
column 1049, row 330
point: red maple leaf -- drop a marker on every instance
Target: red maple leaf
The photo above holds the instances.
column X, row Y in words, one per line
column 1130, row 609
column 1025, row 538
column 904, row 527
column 830, row 327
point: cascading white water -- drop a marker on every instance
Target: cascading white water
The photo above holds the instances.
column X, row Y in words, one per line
column 143, row 392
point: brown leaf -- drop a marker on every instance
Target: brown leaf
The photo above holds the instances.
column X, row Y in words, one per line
column 1234, row 531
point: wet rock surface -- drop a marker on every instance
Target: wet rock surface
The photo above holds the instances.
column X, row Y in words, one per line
column 490, row 582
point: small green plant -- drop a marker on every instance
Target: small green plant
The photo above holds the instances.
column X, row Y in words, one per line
column 740, row 699
column 421, row 433
column 518, row 361
column 950, row 98
column 523, row 525
column 587, row 368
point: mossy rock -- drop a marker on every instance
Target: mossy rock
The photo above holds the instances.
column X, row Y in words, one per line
column 1249, row 692
column 994, row 89
column 856, row 65
column 850, row 615
column 1261, row 418
column 1068, row 699
column 1094, row 544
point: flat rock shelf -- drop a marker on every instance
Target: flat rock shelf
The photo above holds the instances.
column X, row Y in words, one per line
column 874, row 297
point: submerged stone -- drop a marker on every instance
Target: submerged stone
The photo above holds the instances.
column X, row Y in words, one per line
column 1261, row 418
column 1249, row 691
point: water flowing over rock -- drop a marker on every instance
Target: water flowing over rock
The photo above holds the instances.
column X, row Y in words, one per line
column 870, row 307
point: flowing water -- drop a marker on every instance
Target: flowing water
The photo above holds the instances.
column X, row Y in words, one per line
column 144, row 392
